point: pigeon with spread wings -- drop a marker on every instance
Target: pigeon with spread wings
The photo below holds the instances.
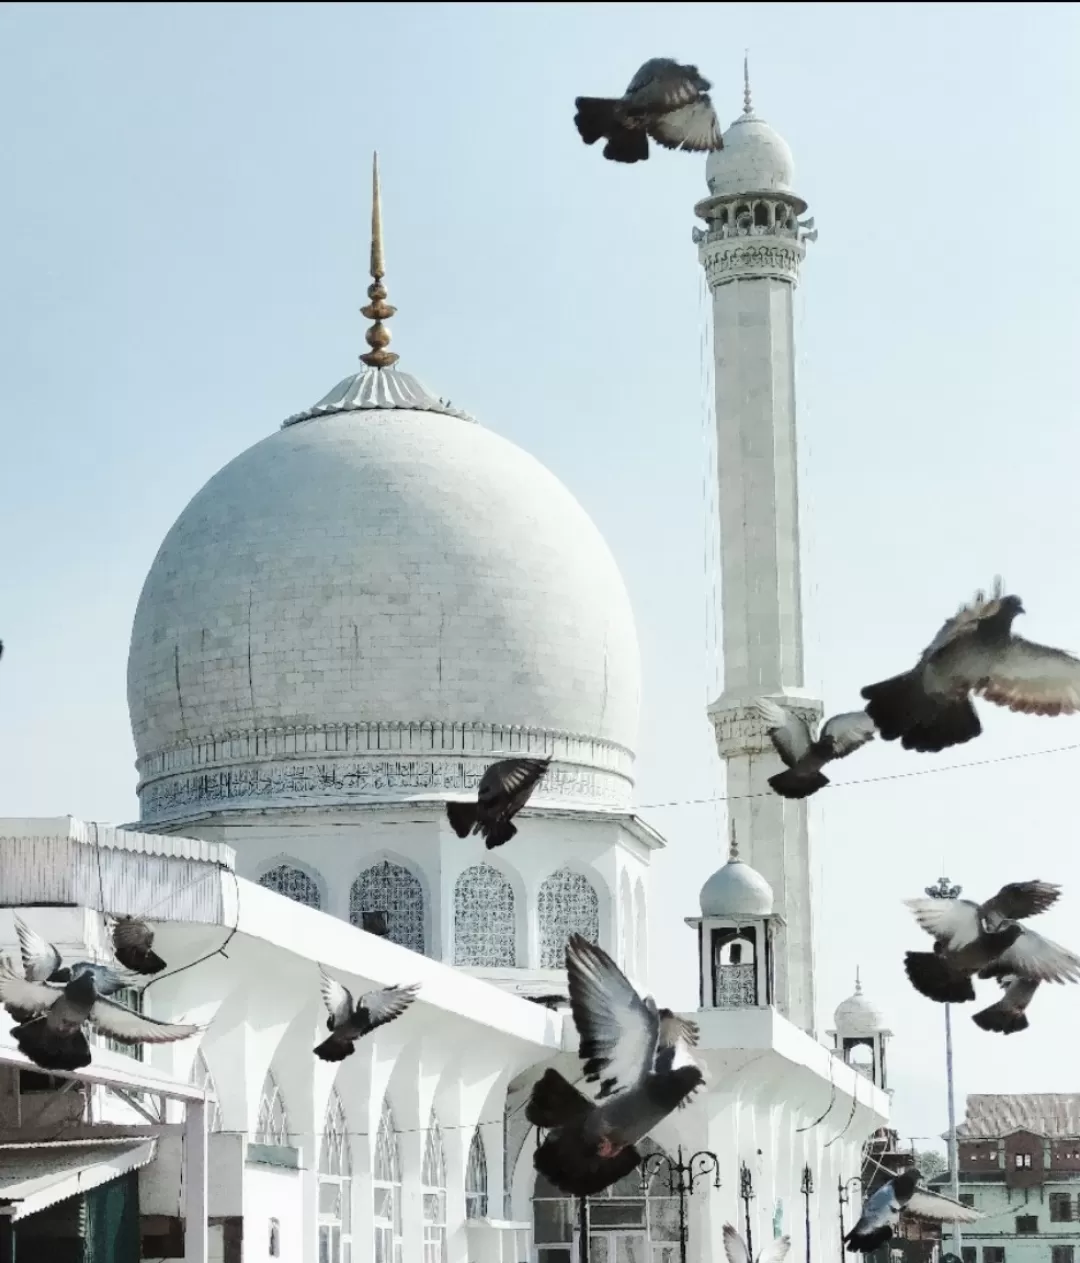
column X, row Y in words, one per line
column 133, row 943
column 349, row 1021
column 806, row 754
column 905, row 1192
column 54, row 1037
column 641, row 1060
column 504, row 789
column 42, row 962
column 1009, row 1014
column 664, row 101
column 775, row 1251
column 929, row 707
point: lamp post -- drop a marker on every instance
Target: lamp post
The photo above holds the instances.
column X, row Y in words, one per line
column 844, row 1197
column 682, row 1177
column 746, row 1192
column 943, row 889
column 807, row 1187
column 583, row 1230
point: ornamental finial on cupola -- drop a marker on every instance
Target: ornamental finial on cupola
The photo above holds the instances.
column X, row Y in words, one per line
column 747, row 108
column 378, row 336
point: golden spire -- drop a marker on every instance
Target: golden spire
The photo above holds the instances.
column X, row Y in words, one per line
column 747, row 107
column 378, row 336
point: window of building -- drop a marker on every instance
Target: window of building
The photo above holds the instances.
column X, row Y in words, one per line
column 1022, row 1160
column 967, row 1199
column 968, row 1254
column 1061, row 1209
column 387, row 1191
column 294, row 884
column 202, row 1078
column 433, row 1178
column 130, row 999
column 273, row 1125
column 567, row 904
column 1062, row 1253
column 396, row 895
column 335, row 1187
column 1027, row 1224
column 485, row 921
column 993, row 1254
column 476, row 1180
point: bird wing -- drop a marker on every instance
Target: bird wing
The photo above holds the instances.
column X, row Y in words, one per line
column 664, row 84
column 1032, row 679
column 845, row 733
column 735, row 1246
column 40, row 959
column 692, row 127
column 927, row 1205
column 338, row 999
column 674, row 1029
column 776, row 1251
column 132, row 932
column 879, row 1209
column 383, row 1006
column 21, row 993
column 128, row 1027
column 790, row 733
column 951, row 921
column 510, row 777
column 1035, row 957
column 966, row 619
column 1021, row 899
column 618, row 1031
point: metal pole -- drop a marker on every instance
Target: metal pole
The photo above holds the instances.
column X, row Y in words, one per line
column 944, row 889
column 807, row 1189
column 196, row 1233
column 583, row 1230
column 683, row 1233
column 747, row 1190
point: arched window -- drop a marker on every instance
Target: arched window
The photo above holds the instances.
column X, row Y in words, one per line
column 625, row 1223
column 293, row 883
column 386, row 1183
column 485, row 926
column 626, row 924
column 273, row 1125
column 392, row 890
column 641, row 933
column 335, row 1187
column 433, row 1177
column 567, row 905
column 202, row 1078
column 734, row 968
column 476, row 1179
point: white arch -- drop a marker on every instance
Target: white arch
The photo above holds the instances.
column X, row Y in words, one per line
column 567, row 903
column 486, row 933
column 283, row 870
column 408, row 926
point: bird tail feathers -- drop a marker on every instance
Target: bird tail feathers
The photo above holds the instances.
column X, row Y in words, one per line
column 595, row 116
column 865, row 1242
column 462, row 817
column 932, row 976
column 901, row 708
column 554, row 1102
column 568, row 1163
column 49, row 1050
column 335, row 1049
column 792, row 784
column 1005, row 1021
column 140, row 960
column 498, row 833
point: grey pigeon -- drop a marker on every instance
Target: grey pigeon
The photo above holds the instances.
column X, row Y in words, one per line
column 1009, row 1014
column 986, row 939
column 133, row 942
column 929, row 707
column 348, row 1021
column 803, row 753
column 881, row 1212
column 666, row 101
column 42, row 963
column 775, row 1251
column 592, row 1144
column 504, row 789
column 53, row 1037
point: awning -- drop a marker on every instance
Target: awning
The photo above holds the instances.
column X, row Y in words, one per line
column 35, row 1176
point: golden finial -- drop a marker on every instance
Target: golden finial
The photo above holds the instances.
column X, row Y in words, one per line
column 747, row 107
column 733, row 844
column 378, row 336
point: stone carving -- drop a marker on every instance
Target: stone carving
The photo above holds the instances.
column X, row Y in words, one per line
column 567, row 904
column 724, row 262
column 741, row 730
column 736, row 987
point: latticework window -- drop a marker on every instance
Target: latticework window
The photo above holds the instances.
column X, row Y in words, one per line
column 273, row 1125
column 433, row 1178
column 567, row 905
column 485, row 925
column 202, row 1078
column 476, row 1179
column 294, row 884
column 386, row 1184
column 393, row 890
column 335, row 1187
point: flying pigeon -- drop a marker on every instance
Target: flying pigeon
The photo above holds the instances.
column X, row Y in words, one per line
column 803, row 753
column 133, row 942
column 1009, row 1014
column 42, row 963
column 664, row 100
column 986, row 939
column 640, row 1059
column 504, row 789
column 929, row 707
column 735, row 1248
column 349, row 1021
column 881, row 1212
column 53, row 1037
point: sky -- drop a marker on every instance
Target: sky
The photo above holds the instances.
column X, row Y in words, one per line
column 185, row 210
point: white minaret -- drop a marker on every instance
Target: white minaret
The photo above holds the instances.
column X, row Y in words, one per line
column 751, row 251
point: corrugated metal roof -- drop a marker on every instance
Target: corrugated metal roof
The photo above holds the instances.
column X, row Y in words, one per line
column 379, row 388
column 35, row 1176
column 1048, row 1113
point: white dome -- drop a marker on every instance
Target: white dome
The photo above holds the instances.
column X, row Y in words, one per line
column 736, row 890
column 369, row 602
column 754, row 159
column 857, row 1016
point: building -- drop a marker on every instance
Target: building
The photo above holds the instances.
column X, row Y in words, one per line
column 1019, row 1163
column 341, row 630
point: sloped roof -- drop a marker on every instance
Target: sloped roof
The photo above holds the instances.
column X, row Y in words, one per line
column 1047, row 1113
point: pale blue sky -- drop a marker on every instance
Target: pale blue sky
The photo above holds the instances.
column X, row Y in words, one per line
column 185, row 202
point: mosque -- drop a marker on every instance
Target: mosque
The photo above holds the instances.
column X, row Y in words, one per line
column 342, row 629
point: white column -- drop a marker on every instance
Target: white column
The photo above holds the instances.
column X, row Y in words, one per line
column 196, row 1242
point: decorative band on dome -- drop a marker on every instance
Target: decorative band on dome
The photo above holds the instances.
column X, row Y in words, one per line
column 378, row 388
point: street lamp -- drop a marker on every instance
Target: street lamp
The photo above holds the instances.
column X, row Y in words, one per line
column 943, row 889
column 746, row 1192
column 682, row 1177
column 844, row 1197
column 807, row 1187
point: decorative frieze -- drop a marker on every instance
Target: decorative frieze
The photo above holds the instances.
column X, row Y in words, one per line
column 728, row 259
column 741, row 730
